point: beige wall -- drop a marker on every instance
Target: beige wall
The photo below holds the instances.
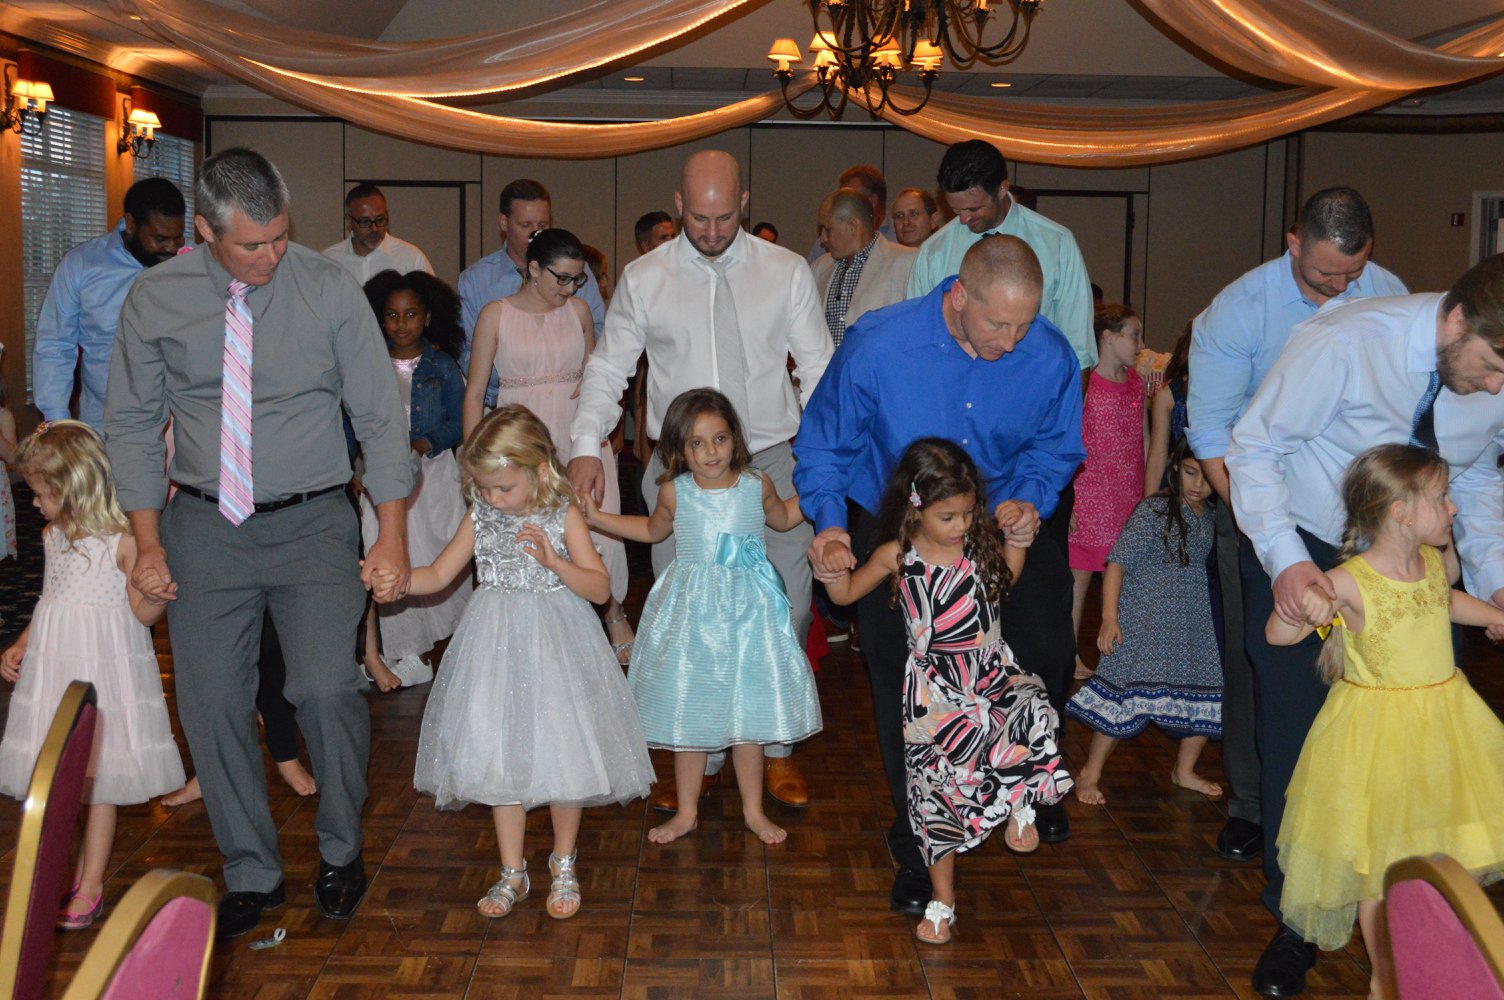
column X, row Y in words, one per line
column 1197, row 225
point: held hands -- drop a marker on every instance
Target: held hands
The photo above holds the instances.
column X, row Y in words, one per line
column 151, row 576
column 1316, row 607
column 383, row 580
column 1019, row 522
column 1290, row 588
column 588, row 476
column 10, row 663
column 830, row 554
column 536, row 544
column 591, row 509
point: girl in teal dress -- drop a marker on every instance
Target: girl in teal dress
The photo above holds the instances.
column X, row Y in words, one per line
column 716, row 663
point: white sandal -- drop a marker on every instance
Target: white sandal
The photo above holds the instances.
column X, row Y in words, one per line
column 934, row 914
column 504, row 894
column 565, row 885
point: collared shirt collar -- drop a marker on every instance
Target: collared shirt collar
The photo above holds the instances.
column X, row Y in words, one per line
column 1420, row 342
column 860, row 257
column 1290, row 292
column 356, row 253
column 731, row 255
column 940, row 335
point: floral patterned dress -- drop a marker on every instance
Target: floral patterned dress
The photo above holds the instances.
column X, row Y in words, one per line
column 979, row 732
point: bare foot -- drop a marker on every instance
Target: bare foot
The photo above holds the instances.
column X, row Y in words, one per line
column 1020, row 838
column 681, row 824
column 1192, row 781
column 1089, row 793
column 188, row 793
column 767, row 831
column 1083, row 672
column 296, row 776
column 383, row 678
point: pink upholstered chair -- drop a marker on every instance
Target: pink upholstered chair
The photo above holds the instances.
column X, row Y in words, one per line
column 1445, row 935
column 48, row 822
column 155, row 945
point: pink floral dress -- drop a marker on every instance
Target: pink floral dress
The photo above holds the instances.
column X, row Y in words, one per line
column 1111, row 483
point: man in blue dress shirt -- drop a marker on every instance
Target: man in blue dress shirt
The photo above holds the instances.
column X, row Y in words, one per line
column 1233, row 345
column 83, row 301
column 973, row 361
column 1424, row 369
column 525, row 208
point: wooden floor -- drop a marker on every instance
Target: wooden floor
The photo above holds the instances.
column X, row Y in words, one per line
column 1134, row 905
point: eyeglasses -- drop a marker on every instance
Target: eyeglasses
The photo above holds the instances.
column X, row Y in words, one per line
column 572, row 280
column 377, row 222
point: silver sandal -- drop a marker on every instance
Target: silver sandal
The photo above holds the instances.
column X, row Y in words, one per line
column 504, row 894
column 565, row 886
column 620, row 647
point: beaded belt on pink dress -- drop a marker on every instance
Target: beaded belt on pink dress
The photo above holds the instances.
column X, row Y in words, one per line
column 532, row 380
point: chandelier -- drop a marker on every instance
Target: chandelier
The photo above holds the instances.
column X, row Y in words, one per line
column 861, row 46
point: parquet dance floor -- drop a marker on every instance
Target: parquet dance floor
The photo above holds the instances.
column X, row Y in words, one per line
column 1134, row 905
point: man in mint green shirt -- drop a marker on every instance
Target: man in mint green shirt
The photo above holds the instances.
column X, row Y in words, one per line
column 974, row 180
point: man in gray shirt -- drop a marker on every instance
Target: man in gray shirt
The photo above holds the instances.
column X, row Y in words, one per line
column 276, row 338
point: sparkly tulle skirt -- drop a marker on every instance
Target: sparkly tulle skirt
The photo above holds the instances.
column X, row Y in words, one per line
column 530, row 707
column 134, row 758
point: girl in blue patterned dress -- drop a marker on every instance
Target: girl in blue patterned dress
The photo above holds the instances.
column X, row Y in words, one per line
column 716, row 663
column 979, row 733
column 530, row 706
column 1160, row 661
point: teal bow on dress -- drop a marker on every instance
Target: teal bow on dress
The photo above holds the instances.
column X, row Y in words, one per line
column 748, row 552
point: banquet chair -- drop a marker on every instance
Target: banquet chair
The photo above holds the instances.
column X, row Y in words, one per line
column 48, row 820
column 1445, row 936
column 156, row 944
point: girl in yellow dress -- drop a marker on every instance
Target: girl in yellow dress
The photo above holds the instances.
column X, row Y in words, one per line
column 1404, row 757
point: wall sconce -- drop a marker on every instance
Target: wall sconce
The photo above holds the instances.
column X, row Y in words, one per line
column 137, row 129
column 25, row 103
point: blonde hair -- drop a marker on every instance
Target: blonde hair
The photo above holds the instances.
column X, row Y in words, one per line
column 1374, row 481
column 67, row 457
column 513, row 435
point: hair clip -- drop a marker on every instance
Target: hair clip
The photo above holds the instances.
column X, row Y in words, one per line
column 534, row 235
column 502, row 461
column 914, row 496
column 1326, row 630
column 43, row 427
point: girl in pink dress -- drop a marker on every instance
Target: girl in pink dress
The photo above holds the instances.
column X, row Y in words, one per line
column 538, row 340
column 91, row 624
column 1111, row 482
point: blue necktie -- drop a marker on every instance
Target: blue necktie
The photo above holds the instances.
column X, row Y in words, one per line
column 1423, row 430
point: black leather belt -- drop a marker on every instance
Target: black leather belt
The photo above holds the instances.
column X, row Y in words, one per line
column 269, row 506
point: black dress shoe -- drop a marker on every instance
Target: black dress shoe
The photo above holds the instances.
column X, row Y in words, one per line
column 241, row 911
column 1281, row 970
column 1240, row 840
column 912, row 892
column 1053, row 824
column 339, row 888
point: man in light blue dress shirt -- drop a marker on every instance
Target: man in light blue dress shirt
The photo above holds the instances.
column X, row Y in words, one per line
column 525, row 208
column 83, row 301
column 1354, row 376
column 974, row 180
column 1233, row 345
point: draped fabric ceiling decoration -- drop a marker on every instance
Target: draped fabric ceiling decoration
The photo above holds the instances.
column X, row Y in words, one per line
column 1339, row 65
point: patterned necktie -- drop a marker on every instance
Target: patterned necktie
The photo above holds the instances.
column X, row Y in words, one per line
column 236, row 486
column 1423, row 429
column 730, row 362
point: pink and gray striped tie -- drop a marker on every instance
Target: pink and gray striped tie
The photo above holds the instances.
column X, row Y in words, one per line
column 236, row 486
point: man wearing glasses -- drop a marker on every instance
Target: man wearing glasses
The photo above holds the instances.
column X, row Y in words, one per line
column 370, row 249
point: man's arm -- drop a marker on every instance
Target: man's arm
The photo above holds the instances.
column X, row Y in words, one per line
column 1297, row 402
column 1053, row 455
column 1478, row 492
column 1223, row 339
column 135, row 410
column 59, row 334
column 836, row 427
column 615, row 357
column 809, row 337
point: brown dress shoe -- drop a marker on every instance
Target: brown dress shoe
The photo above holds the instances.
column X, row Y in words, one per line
column 664, row 796
column 784, row 782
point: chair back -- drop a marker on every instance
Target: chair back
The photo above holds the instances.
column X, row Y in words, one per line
column 1445, row 936
column 49, row 818
column 156, row 944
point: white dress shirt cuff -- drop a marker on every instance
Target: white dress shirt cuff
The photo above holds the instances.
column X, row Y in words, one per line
column 1284, row 551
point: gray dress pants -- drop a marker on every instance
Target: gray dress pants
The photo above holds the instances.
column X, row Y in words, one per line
column 299, row 563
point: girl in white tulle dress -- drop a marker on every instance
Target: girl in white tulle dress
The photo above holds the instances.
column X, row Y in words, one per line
column 90, row 625
column 529, row 707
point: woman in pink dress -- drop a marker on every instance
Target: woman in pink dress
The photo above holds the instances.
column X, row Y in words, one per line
column 1111, row 482
column 537, row 340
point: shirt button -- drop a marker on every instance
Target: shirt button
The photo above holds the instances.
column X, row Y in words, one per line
column 966, row 440
column 968, row 406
